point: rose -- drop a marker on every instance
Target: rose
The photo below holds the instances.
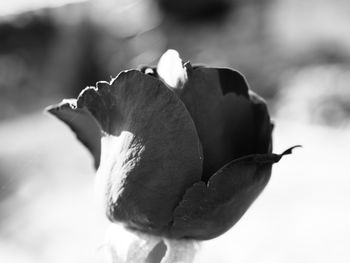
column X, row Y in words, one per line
column 181, row 151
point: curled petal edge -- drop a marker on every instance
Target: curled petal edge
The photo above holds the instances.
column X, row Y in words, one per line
column 208, row 210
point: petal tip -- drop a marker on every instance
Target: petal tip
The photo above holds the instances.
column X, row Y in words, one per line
column 66, row 103
column 290, row 150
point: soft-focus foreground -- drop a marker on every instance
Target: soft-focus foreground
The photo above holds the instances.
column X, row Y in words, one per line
column 295, row 53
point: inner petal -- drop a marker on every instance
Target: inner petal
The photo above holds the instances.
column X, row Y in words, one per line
column 227, row 121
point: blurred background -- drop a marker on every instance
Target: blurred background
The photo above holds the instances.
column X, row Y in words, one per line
column 294, row 53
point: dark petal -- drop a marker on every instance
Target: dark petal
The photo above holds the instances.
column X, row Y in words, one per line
column 150, row 149
column 83, row 124
column 209, row 210
column 263, row 125
column 231, row 122
column 232, row 81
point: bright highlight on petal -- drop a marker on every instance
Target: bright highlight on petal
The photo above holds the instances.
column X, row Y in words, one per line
column 171, row 70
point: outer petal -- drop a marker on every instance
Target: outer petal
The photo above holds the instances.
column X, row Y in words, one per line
column 263, row 125
column 231, row 121
column 82, row 123
column 150, row 150
column 209, row 210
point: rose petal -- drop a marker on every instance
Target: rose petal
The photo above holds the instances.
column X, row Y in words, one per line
column 82, row 123
column 150, row 150
column 263, row 126
column 209, row 210
column 229, row 124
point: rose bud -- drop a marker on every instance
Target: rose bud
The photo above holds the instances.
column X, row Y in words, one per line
column 180, row 151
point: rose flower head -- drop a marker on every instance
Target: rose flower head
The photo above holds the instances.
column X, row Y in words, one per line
column 181, row 151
